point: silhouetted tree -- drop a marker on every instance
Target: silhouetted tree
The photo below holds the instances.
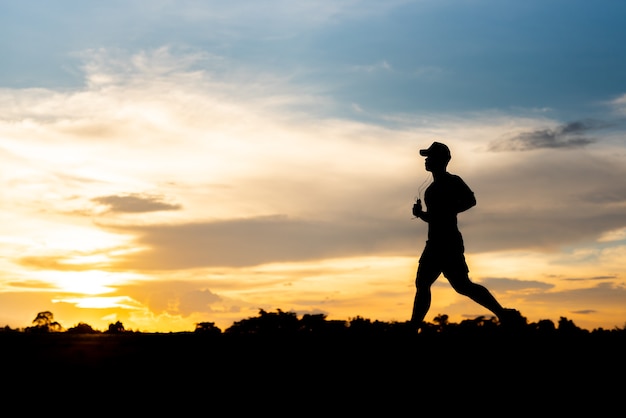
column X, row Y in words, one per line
column 479, row 324
column 359, row 326
column 44, row 322
column 311, row 323
column 116, row 328
column 567, row 327
column 267, row 323
column 207, row 328
column 545, row 327
column 82, row 328
column 318, row 325
column 441, row 322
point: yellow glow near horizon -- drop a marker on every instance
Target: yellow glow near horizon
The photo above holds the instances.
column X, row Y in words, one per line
column 514, row 265
column 124, row 302
column 91, row 282
column 80, row 276
column 367, row 286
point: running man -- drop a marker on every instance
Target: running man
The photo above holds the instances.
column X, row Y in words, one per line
column 445, row 198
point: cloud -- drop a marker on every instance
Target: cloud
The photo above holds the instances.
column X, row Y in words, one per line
column 538, row 230
column 619, row 104
column 584, row 279
column 255, row 241
column 134, row 203
column 29, row 284
column 514, row 285
column 545, row 201
column 570, row 135
column 72, row 261
column 614, row 235
column 604, row 293
column 585, row 312
column 379, row 66
column 172, row 297
column 344, row 187
column 58, row 263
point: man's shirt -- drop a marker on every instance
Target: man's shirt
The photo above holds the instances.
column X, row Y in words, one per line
column 444, row 199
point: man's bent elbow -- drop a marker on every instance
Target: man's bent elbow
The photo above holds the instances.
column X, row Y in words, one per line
column 467, row 205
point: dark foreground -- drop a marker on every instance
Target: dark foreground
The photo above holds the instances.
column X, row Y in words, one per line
column 190, row 374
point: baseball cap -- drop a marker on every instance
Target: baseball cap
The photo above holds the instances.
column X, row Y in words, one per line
column 437, row 150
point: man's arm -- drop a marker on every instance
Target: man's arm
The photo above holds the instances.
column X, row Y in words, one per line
column 418, row 212
column 467, row 202
column 466, row 198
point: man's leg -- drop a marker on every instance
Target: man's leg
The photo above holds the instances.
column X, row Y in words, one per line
column 457, row 274
column 478, row 293
column 426, row 276
column 482, row 296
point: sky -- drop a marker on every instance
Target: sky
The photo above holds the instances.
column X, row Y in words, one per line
column 166, row 163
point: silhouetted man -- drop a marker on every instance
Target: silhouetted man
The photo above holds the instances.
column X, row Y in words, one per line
column 447, row 196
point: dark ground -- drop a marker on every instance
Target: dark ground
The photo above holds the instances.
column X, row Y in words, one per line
column 190, row 374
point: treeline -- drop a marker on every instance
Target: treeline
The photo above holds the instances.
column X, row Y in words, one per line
column 281, row 323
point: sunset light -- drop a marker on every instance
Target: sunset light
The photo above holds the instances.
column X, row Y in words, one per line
column 211, row 160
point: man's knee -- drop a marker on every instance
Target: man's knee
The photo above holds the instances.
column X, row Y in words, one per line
column 463, row 289
column 426, row 278
column 461, row 283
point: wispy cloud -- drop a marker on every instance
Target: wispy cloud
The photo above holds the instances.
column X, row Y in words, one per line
column 619, row 104
column 134, row 203
column 504, row 284
column 379, row 66
column 570, row 135
column 256, row 241
column 585, row 279
column 614, row 235
column 173, row 297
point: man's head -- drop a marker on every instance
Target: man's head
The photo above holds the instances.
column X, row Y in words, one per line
column 437, row 151
column 437, row 156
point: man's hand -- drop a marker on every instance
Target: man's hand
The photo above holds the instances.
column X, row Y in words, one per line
column 417, row 208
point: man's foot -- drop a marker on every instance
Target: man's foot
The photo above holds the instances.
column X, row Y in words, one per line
column 426, row 329
column 512, row 318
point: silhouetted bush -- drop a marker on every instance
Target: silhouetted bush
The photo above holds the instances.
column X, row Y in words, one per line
column 82, row 328
column 207, row 328
column 8, row 329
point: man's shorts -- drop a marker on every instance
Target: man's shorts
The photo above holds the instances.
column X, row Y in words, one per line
column 448, row 259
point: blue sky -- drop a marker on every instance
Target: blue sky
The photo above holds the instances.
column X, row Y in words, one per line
column 152, row 149
column 428, row 56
